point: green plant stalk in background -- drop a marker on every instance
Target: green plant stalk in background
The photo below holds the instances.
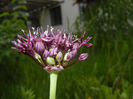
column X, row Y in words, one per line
column 53, row 83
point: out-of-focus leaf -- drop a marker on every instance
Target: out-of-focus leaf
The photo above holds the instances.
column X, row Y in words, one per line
column 4, row 14
column 22, row 7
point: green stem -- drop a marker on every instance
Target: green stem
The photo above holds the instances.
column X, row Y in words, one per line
column 53, row 83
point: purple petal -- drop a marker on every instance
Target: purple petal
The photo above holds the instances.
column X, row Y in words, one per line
column 88, row 45
column 45, row 54
column 21, row 38
column 83, row 56
column 56, row 38
column 14, row 48
column 73, row 53
column 89, row 38
column 67, row 44
column 39, row 47
column 75, row 46
column 53, row 51
column 14, row 43
column 47, row 39
column 81, row 38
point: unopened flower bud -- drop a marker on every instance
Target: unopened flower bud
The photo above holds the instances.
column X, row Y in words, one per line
column 67, row 57
column 83, row 56
column 50, row 61
column 38, row 57
column 59, row 56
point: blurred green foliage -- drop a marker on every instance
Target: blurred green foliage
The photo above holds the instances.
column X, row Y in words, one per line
column 106, row 74
column 12, row 22
column 110, row 23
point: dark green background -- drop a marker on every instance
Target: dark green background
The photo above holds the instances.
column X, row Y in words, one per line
column 106, row 74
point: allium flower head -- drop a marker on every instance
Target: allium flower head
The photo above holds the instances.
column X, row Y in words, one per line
column 52, row 49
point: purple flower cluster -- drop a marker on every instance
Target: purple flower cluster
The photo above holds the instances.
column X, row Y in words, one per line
column 53, row 49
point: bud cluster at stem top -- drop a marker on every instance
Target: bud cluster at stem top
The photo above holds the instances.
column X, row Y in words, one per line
column 52, row 49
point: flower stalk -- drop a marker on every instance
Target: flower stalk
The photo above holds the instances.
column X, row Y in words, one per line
column 53, row 83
